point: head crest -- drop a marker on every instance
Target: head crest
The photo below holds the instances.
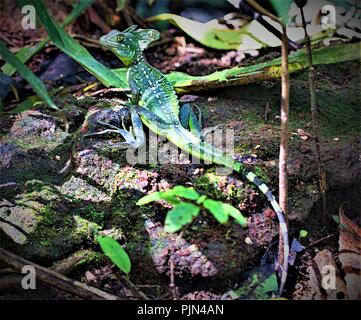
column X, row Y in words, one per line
column 144, row 36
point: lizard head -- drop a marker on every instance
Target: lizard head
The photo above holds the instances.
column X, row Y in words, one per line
column 129, row 44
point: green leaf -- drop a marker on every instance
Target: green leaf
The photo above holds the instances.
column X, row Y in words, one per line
column 336, row 218
column 160, row 195
column 266, row 288
column 221, row 211
column 201, row 199
column 260, row 285
column 217, row 209
column 25, row 53
column 183, row 82
column 170, row 198
column 74, row 50
column 235, row 214
column 215, row 35
column 170, row 195
column 27, row 104
column 27, row 74
column 120, row 5
column 282, row 8
column 179, row 216
column 303, row 234
column 186, row 193
column 150, row 198
column 116, row 253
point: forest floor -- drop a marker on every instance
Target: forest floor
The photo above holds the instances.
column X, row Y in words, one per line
column 60, row 190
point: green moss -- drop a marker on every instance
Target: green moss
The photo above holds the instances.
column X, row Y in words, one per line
column 92, row 213
column 218, row 187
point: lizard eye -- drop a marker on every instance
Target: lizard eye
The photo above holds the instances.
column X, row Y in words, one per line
column 119, row 37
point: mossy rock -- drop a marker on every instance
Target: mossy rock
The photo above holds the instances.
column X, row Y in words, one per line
column 44, row 224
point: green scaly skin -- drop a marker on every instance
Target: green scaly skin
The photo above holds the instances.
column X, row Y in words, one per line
column 154, row 99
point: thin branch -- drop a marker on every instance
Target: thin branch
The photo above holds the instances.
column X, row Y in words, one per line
column 314, row 120
column 263, row 11
column 284, row 135
column 134, row 288
column 285, row 92
column 56, row 279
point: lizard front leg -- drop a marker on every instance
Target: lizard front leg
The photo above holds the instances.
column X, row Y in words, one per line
column 162, row 126
column 131, row 140
column 134, row 100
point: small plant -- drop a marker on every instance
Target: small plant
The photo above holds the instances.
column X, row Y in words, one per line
column 184, row 212
column 302, row 234
column 116, row 253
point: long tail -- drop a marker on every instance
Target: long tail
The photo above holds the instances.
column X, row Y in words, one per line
column 282, row 221
column 182, row 138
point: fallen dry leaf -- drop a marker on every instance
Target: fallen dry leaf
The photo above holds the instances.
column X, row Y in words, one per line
column 320, row 283
column 323, row 261
column 303, row 134
column 350, row 255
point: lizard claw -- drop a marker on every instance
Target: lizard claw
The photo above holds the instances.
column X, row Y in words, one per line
column 130, row 141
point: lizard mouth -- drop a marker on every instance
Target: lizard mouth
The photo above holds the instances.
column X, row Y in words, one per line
column 107, row 43
column 108, row 40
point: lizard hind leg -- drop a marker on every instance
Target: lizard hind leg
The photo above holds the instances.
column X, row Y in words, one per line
column 189, row 121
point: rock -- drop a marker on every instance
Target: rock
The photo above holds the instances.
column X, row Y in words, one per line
column 100, row 170
column 81, row 190
column 208, row 256
column 18, row 221
column 34, row 148
column 41, row 226
column 345, row 160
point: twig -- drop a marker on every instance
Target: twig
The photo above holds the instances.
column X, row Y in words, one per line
column 284, row 135
column 263, row 11
column 6, row 271
column 320, row 240
column 161, row 42
column 126, row 15
column 9, row 184
column 87, row 41
column 314, row 120
column 106, row 90
column 283, row 183
column 172, row 285
column 171, row 276
column 135, row 17
column 134, row 288
column 68, row 264
column 56, row 279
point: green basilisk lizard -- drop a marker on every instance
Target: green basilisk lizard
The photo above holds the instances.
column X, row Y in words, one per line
column 154, row 102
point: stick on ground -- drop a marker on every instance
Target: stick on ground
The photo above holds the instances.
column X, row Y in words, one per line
column 56, row 279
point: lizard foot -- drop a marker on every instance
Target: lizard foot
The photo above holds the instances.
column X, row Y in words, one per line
column 132, row 141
